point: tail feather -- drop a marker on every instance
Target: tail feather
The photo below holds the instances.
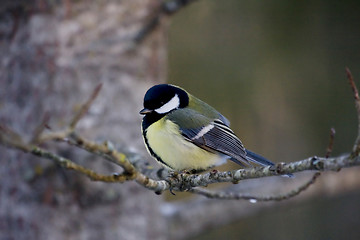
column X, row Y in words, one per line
column 256, row 158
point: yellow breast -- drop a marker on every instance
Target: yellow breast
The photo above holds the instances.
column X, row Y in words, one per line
column 176, row 152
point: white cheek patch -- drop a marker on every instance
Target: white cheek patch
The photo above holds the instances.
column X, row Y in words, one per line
column 203, row 131
column 170, row 105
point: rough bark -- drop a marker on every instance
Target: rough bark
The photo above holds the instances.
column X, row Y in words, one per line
column 52, row 56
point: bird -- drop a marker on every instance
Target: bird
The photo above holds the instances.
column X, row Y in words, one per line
column 184, row 133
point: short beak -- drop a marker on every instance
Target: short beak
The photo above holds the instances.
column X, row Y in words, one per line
column 145, row 111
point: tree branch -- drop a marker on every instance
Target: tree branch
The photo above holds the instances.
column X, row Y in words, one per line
column 175, row 181
column 166, row 8
column 331, row 143
column 254, row 199
column 356, row 148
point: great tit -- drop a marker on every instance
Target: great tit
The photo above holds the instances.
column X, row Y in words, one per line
column 186, row 134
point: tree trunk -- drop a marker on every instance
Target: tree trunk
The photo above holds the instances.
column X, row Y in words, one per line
column 52, row 57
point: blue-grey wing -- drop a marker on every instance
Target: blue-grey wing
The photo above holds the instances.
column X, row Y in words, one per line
column 217, row 137
column 213, row 135
column 224, row 120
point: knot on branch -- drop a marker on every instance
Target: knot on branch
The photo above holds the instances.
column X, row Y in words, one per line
column 180, row 181
column 185, row 181
column 316, row 163
column 278, row 168
column 173, row 180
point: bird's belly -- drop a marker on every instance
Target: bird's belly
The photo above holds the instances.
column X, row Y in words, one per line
column 176, row 152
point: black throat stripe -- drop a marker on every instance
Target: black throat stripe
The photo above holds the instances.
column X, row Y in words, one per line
column 151, row 150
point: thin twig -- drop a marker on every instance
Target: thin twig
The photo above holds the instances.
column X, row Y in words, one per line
column 85, row 107
column 331, row 143
column 11, row 138
column 106, row 149
column 39, row 129
column 63, row 134
column 167, row 7
column 356, row 148
column 68, row 164
column 238, row 196
column 54, row 136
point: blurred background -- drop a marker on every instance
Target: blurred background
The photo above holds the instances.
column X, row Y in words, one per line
column 276, row 69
